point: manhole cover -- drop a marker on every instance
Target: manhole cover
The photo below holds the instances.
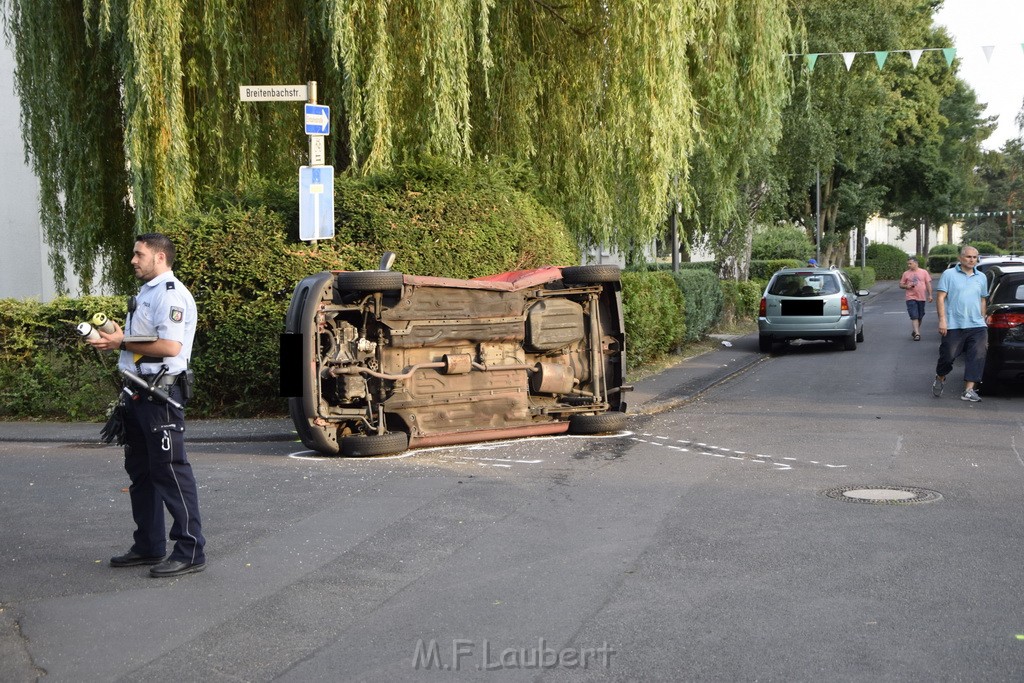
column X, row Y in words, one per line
column 884, row 495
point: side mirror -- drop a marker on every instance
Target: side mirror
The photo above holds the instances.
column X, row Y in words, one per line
column 862, row 292
column 387, row 260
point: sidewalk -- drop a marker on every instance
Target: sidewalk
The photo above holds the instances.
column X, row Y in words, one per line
column 668, row 389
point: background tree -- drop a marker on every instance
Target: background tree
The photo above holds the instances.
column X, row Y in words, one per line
column 1002, row 191
column 880, row 137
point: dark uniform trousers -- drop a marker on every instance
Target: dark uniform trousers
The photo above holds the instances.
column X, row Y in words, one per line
column 154, row 457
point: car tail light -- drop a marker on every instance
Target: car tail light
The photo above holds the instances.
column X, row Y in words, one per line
column 844, row 306
column 1005, row 321
column 762, row 311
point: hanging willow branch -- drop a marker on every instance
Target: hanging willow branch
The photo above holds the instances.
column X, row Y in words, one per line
column 130, row 109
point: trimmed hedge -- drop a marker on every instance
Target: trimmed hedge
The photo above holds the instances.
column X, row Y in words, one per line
column 702, row 293
column 654, row 312
column 741, row 300
column 863, row 278
column 944, row 249
column 46, row 370
column 888, row 261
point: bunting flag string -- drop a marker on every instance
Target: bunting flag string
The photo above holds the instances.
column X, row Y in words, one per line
column 881, row 56
column 986, row 214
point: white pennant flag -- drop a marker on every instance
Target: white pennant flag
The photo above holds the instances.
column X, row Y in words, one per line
column 848, row 58
column 989, row 49
column 915, row 56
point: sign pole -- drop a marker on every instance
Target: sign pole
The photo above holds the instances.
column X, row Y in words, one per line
column 316, row 181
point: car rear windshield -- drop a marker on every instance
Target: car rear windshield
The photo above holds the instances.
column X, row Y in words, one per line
column 804, row 284
column 1009, row 291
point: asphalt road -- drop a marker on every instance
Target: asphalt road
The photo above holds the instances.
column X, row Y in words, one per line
column 710, row 542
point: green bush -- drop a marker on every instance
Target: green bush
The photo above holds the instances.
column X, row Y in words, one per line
column 667, row 266
column 944, row 250
column 938, row 263
column 782, row 242
column 741, row 300
column 987, row 248
column 653, row 308
column 702, row 293
column 46, row 370
column 888, row 261
column 862, row 278
column 763, row 270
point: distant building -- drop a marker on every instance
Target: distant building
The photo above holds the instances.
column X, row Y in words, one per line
column 880, row 231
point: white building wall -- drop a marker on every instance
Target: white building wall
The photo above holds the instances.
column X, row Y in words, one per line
column 880, row 231
column 24, row 268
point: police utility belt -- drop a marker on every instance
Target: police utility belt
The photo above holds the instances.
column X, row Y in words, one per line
column 158, row 386
column 163, row 381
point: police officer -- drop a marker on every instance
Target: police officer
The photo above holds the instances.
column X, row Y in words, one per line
column 164, row 313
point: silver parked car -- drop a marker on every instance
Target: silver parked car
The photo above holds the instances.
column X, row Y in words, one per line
column 811, row 303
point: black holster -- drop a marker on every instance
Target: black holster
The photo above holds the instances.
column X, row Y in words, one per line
column 188, row 380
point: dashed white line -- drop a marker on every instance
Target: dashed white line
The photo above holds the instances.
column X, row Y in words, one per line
column 722, row 452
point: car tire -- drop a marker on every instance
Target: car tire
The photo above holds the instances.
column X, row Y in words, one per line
column 860, row 335
column 363, row 445
column 850, row 342
column 600, row 423
column 369, row 281
column 300, row 319
column 764, row 343
column 586, row 275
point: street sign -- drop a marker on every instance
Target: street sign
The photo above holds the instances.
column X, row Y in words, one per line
column 273, row 93
column 318, row 119
column 316, row 202
column 316, row 150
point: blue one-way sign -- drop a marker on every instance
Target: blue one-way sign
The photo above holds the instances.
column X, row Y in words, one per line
column 318, row 119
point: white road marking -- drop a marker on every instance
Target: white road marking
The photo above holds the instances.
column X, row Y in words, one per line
column 742, row 456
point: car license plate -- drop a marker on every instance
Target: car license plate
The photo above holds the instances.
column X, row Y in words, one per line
column 800, row 307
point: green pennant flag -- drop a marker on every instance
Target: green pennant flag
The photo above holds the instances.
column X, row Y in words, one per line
column 811, row 59
column 949, row 53
column 880, row 57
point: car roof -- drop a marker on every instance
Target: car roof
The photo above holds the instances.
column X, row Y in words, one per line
column 807, row 270
column 1007, row 269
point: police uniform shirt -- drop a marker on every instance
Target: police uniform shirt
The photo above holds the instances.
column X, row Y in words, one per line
column 165, row 309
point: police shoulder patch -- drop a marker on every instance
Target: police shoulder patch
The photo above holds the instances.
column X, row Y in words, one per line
column 177, row 314
column 170, row 285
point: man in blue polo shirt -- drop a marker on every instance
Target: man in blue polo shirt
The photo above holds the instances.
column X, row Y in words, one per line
column 960, row 300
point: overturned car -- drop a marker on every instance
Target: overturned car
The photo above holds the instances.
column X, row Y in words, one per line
column 389, row 360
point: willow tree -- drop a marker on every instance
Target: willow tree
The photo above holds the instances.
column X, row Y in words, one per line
column 608, row 102
column 129, row 107
column 742, row 85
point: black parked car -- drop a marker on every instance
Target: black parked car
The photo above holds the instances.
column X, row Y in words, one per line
column 1005, row 319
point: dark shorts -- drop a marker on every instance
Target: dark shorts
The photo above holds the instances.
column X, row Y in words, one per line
column 915, row 309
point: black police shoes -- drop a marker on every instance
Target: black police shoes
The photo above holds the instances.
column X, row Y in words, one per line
column 132, row 558
column 176, row 568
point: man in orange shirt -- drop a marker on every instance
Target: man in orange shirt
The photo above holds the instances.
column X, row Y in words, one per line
column 918, row 284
